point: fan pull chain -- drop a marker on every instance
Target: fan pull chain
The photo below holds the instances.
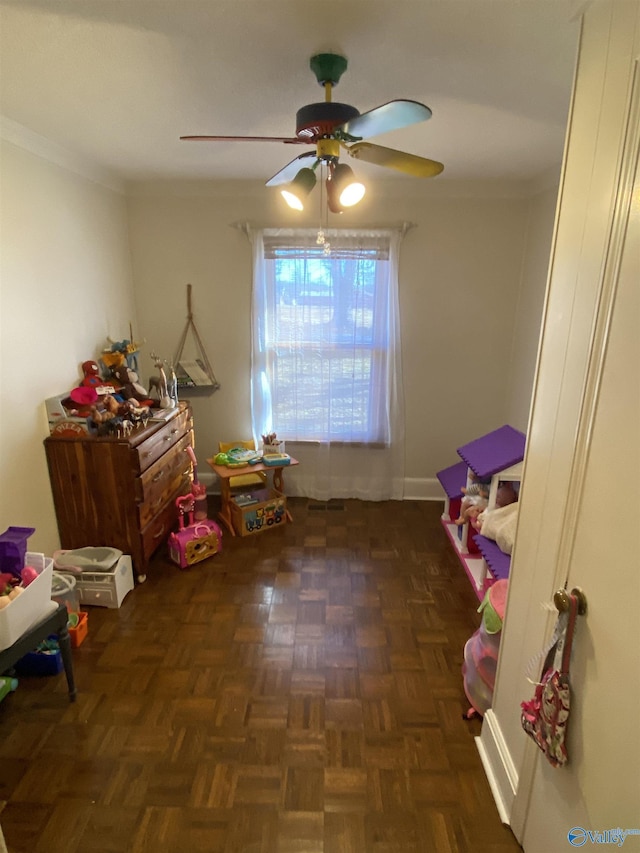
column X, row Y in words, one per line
column 321, row 239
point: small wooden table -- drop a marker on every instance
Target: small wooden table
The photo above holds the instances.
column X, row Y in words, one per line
column 224, row 474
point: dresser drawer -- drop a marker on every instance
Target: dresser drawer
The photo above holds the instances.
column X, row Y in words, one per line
column 150, row 450
column 158, row 529
column 168, row 490
column 153, row 482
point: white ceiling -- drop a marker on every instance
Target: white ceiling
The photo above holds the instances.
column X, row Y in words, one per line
column 116, row 82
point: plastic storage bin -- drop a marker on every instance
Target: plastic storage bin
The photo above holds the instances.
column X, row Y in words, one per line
column 41, row 662
column 78, row 633
column 481, row 651
column 32, row 606
column 260, row 510
column 63, row 590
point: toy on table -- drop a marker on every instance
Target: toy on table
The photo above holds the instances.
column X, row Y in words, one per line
column 276, row 460
column 13, row 547
column 271, row 444
column 238, row 457
column 196, row 540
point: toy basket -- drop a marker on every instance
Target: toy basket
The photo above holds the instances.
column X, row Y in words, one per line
column 32, row 606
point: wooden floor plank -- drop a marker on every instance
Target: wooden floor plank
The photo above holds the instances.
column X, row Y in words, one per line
column 300, row 691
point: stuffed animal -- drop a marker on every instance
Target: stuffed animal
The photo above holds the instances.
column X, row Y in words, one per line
column 130, row 386
column 91, row 374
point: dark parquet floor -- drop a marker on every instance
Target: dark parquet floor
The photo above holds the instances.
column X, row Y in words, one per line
column 299, row 692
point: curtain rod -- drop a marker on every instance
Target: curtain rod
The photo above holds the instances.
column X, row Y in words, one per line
column 402, row 227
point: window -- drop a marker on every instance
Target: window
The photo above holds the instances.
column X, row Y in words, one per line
column 325, row 336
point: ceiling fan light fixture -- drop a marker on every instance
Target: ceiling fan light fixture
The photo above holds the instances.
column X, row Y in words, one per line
column 296, row 192
column 347, row 188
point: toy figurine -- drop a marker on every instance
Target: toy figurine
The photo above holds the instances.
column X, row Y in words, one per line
column 160, row 384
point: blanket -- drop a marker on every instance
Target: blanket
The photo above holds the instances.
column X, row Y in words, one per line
column 500, row 525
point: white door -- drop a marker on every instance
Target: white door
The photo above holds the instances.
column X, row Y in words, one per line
column 597, row 795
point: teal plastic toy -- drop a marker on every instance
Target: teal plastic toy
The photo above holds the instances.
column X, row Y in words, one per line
column 7, row 685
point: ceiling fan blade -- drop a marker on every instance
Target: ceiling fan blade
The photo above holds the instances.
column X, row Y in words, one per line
column 391, row 116
column 288, row 173
column 290, row 140
column 419, row 167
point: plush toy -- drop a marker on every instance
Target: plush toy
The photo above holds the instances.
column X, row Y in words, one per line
column 91, row 374
column 130, row 386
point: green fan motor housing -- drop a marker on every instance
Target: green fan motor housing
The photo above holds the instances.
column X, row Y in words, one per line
column 328, row 67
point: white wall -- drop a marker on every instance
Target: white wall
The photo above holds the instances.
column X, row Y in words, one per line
column 526, row 327
column 460, row 270
column 75, row 251
column 65, row 284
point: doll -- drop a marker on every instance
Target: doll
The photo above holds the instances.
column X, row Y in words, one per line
column 472, row 505
column 476, row 498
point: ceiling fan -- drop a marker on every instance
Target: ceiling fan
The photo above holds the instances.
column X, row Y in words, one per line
column 334, row 127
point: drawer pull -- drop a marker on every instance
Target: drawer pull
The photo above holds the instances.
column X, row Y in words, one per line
column 158, row 476
column 159, row 534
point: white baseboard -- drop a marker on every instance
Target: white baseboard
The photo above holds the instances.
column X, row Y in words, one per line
column 209, row 479
column 425, row 489
column 422, row 489
column 498, row 766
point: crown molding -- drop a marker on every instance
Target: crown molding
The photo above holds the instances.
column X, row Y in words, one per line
column 20, row 136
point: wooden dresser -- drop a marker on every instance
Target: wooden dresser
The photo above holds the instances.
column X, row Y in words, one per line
column 121, row 491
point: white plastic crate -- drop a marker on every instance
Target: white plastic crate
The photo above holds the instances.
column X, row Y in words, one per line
column 32, row 606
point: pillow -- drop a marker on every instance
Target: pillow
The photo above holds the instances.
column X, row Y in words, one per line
column 500, row 525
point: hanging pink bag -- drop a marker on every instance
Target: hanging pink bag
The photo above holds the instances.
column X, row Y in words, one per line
column 544, row 718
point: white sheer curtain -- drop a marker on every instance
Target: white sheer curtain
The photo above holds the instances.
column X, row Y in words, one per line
column 326, row 368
